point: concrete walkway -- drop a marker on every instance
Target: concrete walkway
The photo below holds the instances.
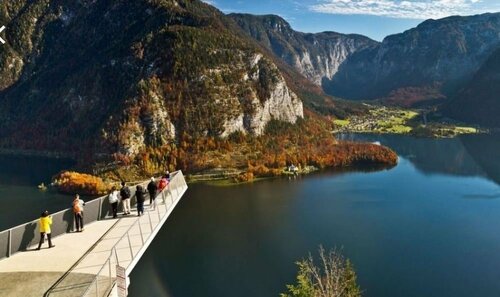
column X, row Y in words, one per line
column 36, row 271
column 70, row 268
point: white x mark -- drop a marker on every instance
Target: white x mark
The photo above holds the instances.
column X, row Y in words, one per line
column 1, row 29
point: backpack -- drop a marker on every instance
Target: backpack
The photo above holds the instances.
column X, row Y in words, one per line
column 125, row 193
column 76, row 207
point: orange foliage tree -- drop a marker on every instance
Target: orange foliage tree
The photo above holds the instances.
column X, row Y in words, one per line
column 70, row 182
column 308, row 142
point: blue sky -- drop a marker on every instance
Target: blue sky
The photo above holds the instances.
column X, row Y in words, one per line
column 374, row 18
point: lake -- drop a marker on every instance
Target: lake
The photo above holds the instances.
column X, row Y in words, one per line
column 427, row 227
column 20, row 199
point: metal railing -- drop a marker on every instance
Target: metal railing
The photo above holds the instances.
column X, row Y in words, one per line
column 133, row 243
column 21, row 237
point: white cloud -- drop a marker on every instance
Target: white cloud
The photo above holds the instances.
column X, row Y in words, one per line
column 409, row 9
column 211, row 2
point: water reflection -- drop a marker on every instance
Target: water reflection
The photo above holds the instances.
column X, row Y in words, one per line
column 24, row 170
column 485, row 150
column 20, row 199
column 408, row 234
column 468, row 155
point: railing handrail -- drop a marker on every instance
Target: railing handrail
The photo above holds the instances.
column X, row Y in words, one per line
column 69, row 208
column 126, row 233
column 91, row 204
column 138, row 219
column 36, row 220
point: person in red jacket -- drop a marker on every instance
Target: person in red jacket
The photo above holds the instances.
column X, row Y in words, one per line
column 162, row 184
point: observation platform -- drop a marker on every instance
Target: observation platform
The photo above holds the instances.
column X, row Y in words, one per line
column 95, row 262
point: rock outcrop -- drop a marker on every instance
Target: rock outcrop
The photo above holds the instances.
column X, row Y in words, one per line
column 108, row 77
column 430, row 61
column 316, row 56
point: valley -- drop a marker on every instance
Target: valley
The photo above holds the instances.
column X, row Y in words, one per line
column 398, row 120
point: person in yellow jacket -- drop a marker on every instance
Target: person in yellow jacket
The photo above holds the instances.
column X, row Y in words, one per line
column 45, row 222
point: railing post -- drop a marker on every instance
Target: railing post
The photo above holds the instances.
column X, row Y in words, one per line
column 100, row 210
column 150, row 223
column 97, row 286
column 110, row 277
column 9, row 252
column 158, row 211
column 130, row 246
column 140, row 230
column 116, row 255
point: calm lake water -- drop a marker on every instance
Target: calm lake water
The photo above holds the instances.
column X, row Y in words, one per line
column 427, row 227
column 20, row 199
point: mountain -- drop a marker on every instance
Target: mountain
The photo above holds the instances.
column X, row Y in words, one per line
column 316, row 56
column 479, row 101
column 430, row 61
column 120, row 76
column 133, row 88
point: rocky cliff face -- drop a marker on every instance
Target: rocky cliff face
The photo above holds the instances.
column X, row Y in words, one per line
column 316, row 56
column 120, row 76
column 479, row 101
column 427, row 62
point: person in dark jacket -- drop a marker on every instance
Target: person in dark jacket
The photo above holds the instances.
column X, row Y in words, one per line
column 125, row 196
column 152, row 190
column 140, row 196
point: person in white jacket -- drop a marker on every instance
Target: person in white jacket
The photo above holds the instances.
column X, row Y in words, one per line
column 113, row 200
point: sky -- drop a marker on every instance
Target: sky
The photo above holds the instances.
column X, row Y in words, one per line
column 373, row 18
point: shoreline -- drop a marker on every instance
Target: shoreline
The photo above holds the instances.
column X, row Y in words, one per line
column 375, row 132
column 228, row 182
column 405, row 121
column 36, row 154
column 343, row 154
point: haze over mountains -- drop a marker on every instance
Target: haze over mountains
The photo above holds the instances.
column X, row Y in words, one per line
column 316, row 56
column 479, row 100
column 429, row 63
column 437, row 55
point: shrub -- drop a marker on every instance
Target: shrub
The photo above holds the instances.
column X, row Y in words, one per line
column 333, row 277
column 244, row 177
column 70, row 182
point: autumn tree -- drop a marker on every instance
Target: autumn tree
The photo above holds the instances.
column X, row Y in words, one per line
column 334, row 276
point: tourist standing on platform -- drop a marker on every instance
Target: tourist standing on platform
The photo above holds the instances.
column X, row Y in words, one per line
column 45, row 222
column 140, row 196
column 152, row 190
column 113, row 201
column 78, row 212
column 167, row 175
column 125, row 196
column 163, row 184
